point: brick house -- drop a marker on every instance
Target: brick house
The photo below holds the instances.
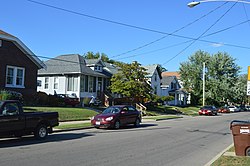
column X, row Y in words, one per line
column 18, row 65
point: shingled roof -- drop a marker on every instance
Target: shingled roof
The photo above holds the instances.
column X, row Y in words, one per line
column 68, row 64
column 8, row 37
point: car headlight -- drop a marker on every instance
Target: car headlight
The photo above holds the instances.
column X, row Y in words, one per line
column 109, row 118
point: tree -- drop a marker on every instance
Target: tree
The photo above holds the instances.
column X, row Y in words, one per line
column 221, row 76
column 131, row 82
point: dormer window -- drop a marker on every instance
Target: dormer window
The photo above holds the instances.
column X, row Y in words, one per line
column 98, row 68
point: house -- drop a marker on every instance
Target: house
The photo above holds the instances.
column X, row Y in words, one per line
column 154, row 78
column 172, row 86
column 18, row 66
column 69, row 74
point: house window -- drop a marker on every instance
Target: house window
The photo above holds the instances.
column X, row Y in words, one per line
column 46, row 83
column 155, row 77
column 91, row 84
column 55, row 82
column 0, row 43
column 15, row 77
column 39, row 83
column 82, row 84
column 86, row 83
column 72, row 83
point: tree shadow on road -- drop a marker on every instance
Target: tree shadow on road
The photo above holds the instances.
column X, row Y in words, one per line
column 30, row 140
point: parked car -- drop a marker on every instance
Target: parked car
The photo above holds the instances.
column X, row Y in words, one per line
column 69, row 100
column 208, row 110
column 223, row 110
column 15, row 122
column 233, row 109
column 117, row 116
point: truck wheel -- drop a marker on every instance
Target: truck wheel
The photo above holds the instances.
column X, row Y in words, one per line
column 248, row 151
column 41, row 132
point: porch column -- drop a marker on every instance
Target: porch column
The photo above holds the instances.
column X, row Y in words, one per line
column 175, row 98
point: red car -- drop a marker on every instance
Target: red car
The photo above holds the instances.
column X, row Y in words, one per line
column 224, row 110
column 69, row 100
column 208, row 110
column 117, row 116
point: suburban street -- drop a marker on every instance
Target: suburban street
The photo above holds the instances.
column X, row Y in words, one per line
column 186, row 141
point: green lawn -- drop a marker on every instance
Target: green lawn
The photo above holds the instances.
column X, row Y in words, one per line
column 65, row 113
column 159, row 110
column 73, row 126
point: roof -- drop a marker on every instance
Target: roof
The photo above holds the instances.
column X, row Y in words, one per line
column 173, row 73
column 167, row 80
column 151, row 69
column 93, row 62
column 68, row 64
column 8, row 37
column 111, row 68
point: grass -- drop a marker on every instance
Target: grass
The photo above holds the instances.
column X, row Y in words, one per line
column 159, row 110
column 72, row 126
column 232, row 160
column 65, row 113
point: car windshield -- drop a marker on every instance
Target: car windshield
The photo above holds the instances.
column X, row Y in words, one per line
column 207, row 107
column 1, row 103
column 112, row 110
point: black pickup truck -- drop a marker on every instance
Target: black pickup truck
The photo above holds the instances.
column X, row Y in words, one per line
column 15, row 122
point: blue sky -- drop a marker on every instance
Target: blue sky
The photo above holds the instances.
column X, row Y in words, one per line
column 122, row 26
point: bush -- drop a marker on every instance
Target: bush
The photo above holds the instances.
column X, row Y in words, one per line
column 10, row 95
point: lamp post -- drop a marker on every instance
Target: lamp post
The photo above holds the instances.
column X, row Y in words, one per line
column 203, row 88
column 195, row 3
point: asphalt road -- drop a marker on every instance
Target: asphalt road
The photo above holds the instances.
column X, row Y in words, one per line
column 189, row 141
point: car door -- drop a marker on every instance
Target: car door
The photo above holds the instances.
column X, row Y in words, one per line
column 133, row 114
column 10, row 118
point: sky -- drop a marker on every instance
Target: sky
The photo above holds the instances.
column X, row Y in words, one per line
column 148, row 31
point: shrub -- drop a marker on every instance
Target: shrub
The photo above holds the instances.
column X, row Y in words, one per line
column 10, row 95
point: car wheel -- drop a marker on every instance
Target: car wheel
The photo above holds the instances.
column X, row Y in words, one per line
column 41, row 132
column 137, row 122
column 248, row 151
column 117, row 125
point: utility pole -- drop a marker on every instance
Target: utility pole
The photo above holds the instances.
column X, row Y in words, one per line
column 204, row 68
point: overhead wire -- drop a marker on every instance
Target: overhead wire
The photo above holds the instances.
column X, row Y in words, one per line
column 161, row 38
column 174, row 45
column 199, row 35
column 128, row 25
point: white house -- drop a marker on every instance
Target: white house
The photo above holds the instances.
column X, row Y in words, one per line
column 154, row 78
column 68, row 74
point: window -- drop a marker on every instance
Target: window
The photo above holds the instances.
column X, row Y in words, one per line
column 46, row 84
column 0, row 43
column 72, row 83
column 91, row 82
column 15, row 77
column 155, row 77
column 10, row 109
column 82, row 84
column 55, row 82
column 39, row 83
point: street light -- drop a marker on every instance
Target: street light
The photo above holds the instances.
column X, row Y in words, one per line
column 195, row 3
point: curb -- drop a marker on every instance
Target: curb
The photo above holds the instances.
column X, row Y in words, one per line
column 219, row 155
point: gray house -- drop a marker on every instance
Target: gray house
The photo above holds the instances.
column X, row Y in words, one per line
column 69, row 74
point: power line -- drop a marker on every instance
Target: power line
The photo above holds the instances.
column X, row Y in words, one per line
column 201, row 34
column 161, row 38
column 174, row 45
column 129, row 25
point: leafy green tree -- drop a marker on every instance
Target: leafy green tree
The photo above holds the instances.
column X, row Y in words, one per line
column 220, row 78
column 131, row 82
column 91, row 55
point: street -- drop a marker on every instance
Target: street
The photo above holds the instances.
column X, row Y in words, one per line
column 188, row 141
